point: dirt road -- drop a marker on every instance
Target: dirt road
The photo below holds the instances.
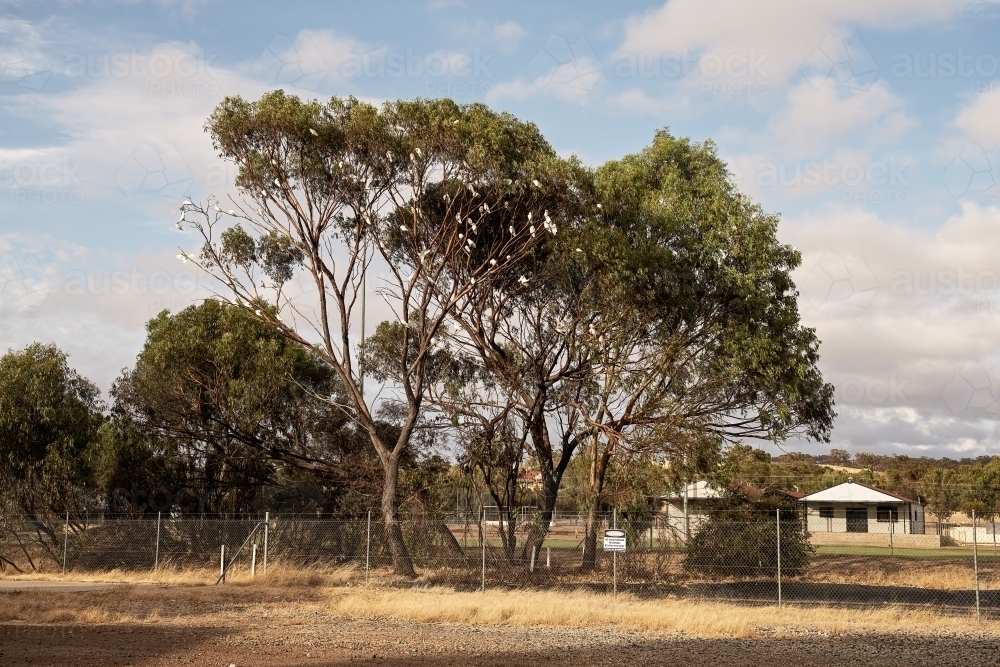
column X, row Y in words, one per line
column 321, row 642
column 299, row 620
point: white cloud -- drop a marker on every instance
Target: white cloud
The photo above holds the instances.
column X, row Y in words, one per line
column 508, row 35
column 562, row 70
column 636, row 100
column 780, row 35
column 978, row 119
column 310, row 59
column 903, row 316
column 815, row 117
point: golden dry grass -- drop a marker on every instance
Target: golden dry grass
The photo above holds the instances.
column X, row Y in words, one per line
column 949, row 575
column 588, row 610
column 278, row 575
column 313, row 595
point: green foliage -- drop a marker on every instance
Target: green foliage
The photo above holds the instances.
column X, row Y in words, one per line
column 231, row 410
column 701, row 266
column 747, row 548
column 50, row 417
column 740, row 538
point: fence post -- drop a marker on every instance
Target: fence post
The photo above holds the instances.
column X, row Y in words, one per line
column 368, row 546
column 156, row 558
column 531, row 568
column 548, row 558
column 267, row 524
column 614, row 556
column 222, row 563
column 483, row 525
column 892, row 530
column 975, row 562
column 65, row 540
column 253, row 562
column 777, row 514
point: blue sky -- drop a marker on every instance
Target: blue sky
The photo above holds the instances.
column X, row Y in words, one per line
column 871, row 127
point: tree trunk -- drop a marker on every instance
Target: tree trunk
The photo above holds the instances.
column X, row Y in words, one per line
column 543, row 520
column 402, row 564
column 590, row 536
column 552, row 474
column 598, row 471
column 450, row 542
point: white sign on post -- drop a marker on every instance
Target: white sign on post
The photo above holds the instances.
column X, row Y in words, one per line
column 614, row 540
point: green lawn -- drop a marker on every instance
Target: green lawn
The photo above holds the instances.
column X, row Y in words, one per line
column 986, row 553
column 945, row 552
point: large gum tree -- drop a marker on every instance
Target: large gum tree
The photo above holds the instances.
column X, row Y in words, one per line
column 437, row 195
column 703, row 345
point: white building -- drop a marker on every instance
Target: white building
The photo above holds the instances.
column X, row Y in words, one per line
column 854, row 507
column 685, row 512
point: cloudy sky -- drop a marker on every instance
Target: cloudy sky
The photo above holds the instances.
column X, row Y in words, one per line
column 870, row 126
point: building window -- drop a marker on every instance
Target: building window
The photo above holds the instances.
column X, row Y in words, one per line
column 826, row 512
column 886, row 513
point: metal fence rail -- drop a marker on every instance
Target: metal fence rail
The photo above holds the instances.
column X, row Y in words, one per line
column 762, row 558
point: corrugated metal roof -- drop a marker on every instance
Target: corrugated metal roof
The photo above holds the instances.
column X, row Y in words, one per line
column 702, row 490
column 697, row 491
column 854, row 492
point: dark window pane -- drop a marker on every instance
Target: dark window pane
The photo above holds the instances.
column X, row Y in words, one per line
column 886, row 513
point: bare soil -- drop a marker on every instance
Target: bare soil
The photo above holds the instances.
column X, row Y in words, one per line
column 321, row 642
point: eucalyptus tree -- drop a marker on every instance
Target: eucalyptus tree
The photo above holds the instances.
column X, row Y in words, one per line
column 524, row 339
column 229, row 405
column 428, row 188
column 50, row 417
column 696, row 337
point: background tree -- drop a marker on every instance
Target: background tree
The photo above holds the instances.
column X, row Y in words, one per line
column 431, row 188
column 703, row 343
column 740, row 538
column 943, row 493
column 524, row 339
column 49, row 422
column 231, row 409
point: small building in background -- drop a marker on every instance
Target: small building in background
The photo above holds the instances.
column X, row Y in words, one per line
column 685, row 511
column 855, row 513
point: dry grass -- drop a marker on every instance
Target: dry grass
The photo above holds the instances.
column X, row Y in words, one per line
column 588, row 610
column 948, row 575
column 302, row 596
column 278, row 575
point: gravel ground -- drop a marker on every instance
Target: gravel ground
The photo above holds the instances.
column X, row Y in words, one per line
column 328, row 641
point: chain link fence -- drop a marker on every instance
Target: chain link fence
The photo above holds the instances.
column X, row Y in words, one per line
column 762, row 558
